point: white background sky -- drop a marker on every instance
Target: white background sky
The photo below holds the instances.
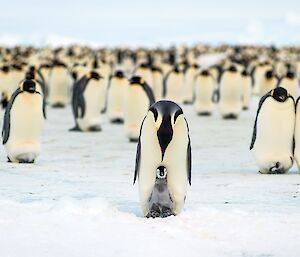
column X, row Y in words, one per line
column 153, row 22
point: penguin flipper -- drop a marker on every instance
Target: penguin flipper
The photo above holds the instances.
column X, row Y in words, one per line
column 255, row 123
column 189, row 162
column 6, row 121
column 149, row 93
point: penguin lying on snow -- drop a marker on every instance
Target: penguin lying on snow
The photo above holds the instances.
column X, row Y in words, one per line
column 23, row 122
column 273, row 133
column 164, row 174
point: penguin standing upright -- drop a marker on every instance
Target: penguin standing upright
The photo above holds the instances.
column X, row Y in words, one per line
column 157, row 75
column 23, row 123
column 204, row 92
column 246, row 83
column 59, row 85
column 290, row 83
column 116, row 97
column 138, row 98
column 163, row 160
column 231, row 93
column 268, row 82
column 273, row 133
column 174, row 85
column 86, row 102
column 189, row 81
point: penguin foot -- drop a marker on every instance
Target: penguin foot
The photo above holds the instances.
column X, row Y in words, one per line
column 76, row 128
column 8, row 160
column 166, row 212
column 117, row 121
column 25, row 161
column 133, row 140
column 58, row 105
column 94, row 129
column 204, row 114
column 154, row 211
column 230, row 117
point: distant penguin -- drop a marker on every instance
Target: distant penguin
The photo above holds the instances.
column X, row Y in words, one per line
column 246, row 83
column 258, row 73
column 86, row 102
column 157, row 75
column 290, row 83
column 145, row 72
column 273, row 134
column 231, row 93
column 204, row 92
column 138, row 98
column 174, row 85
column 268, row 82
column 163, row 160
column 116, row 97
column 23, row 123
column 59, row 85
column 5, row 85
column 189, row 83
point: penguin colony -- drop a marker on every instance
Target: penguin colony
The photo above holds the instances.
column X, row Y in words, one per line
column 143, row 90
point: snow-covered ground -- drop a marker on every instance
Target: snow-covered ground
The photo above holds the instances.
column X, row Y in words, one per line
column 78, row 199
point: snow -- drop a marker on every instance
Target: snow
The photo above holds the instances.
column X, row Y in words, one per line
column 78, row 199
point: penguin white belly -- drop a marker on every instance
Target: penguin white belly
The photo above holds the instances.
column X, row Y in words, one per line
column 59, row 87
column 267, row 86
column 297, row 135
column 292, row 86
column 92, row 96
column 247, row 92
column 274, row 138
column 189, row 85
column 158, row 85
column 137, row 105
column 175, row 88
column 204, row 89
column 146, row 74
column 230, row 96
column 26, row 123
column 115, row 99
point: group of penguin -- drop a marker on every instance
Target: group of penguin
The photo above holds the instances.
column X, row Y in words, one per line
column 144, row 90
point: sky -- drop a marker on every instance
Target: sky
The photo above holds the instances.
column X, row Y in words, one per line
column 149, row 23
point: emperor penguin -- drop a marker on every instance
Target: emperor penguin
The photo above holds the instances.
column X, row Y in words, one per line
column 268, row 82
column 59, row 85
column 246, row 83
column 204, row 92
column 116, row 97
column 290, row 83
column 174, row 85
column 138, row 98
column 231, row 94
column 158, row 77
column 163, row 160
column 86, row 102
column 258, row 74
column 145, row 72
column 273, row 133
column 189, row 83
column 23, row 124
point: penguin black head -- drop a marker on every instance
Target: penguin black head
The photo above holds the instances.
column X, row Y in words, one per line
column 205, row 73
column 280, row 94
column 161, row 172
column 290, row 75
column 136, row 80
column 94, row 75
column 165, row 114
column 29, row 86
column 244, row 73
column 119, row 74
column 29, row 75
column 232, row 68
column 269, row 74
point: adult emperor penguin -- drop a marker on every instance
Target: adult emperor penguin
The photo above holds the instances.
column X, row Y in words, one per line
column 59, row 85
column 138, row 98
column 86, row 102
column 273, row 134
column 246, row 83
column 290, row 83
column 268, row 82
column 231, row 93
column 116, row 97
column 23, row 123
column 164, row 174
column 189, row 81
column 204, row 92
column 174, row 85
